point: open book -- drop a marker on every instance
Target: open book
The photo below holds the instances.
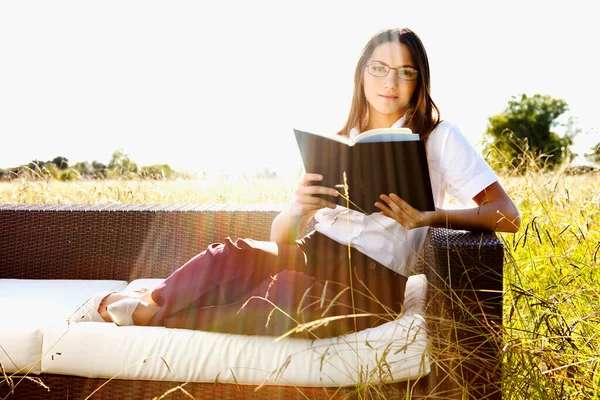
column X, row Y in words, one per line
column 379, row 161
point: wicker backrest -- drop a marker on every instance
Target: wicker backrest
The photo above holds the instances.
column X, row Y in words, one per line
column 117, row 242
column 134, row 241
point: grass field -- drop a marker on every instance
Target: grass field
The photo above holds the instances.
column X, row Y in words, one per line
column 242, row 191
column 552, row 281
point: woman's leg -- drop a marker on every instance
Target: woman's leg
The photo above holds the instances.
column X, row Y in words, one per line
column 235, row 266
column 270, row 308
column 219, row 275
column 362, row 285
column 295, row 297
column 226, row 274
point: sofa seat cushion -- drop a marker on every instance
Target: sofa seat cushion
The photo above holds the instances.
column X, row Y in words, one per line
column 101, row 350
column 27, row 306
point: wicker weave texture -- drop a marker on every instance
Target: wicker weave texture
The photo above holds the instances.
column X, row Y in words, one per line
column 79, row 243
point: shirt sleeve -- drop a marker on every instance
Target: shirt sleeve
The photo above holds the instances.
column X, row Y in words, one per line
column 464, row 170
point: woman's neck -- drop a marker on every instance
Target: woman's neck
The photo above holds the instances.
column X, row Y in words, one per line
column 377, row 120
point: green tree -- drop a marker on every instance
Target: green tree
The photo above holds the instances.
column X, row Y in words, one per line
column 36, row 169
column 594, row 156
column 84, row 169
column 157, row 171
column 61, row 162
column 100, row 170
column 524, row 129
column 121, row 164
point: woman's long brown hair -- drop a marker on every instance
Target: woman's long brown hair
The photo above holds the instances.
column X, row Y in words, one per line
column 421, row 115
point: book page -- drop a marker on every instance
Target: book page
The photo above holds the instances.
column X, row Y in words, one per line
column 386, row 135
column 335, row 137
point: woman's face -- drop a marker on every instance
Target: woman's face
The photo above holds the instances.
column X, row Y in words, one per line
column 388, row 96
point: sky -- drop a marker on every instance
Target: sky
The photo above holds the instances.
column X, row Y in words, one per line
column 220, row 85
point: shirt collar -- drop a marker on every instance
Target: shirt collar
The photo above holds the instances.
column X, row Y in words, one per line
column 398, row 124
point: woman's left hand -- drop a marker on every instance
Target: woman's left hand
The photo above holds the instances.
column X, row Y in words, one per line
column 403, row 213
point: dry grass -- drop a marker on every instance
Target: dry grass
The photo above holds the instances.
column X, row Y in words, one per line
column 242, row 191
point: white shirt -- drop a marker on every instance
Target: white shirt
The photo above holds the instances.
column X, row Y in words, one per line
column 456, row 169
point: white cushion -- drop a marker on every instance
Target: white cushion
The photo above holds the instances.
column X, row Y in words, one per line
column 27, row 306
column 102, row 350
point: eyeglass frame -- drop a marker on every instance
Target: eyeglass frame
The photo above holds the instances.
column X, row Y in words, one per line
column 390, row 68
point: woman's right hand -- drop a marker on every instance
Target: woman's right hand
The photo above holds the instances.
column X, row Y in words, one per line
column 305, row 202
column 289, row 222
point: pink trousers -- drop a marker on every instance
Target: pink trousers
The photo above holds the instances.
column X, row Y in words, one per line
column 249, row 287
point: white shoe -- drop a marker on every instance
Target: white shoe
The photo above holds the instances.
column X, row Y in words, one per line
column 121, row 312
column 88, row 312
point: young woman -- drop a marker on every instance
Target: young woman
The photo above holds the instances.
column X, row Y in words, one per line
column 254, row 287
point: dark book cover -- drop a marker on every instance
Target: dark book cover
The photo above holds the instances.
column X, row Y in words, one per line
column 372, row 169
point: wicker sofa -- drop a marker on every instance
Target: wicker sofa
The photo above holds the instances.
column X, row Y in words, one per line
column 463, row 310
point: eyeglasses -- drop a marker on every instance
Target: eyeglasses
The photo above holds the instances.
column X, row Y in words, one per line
column 380, row 70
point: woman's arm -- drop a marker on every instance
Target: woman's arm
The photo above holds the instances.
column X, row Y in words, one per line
column 496, row 212
column 293, row 219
